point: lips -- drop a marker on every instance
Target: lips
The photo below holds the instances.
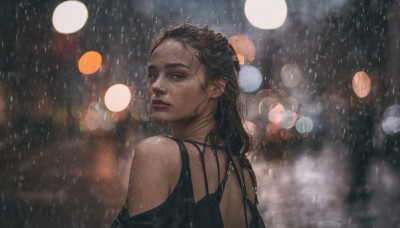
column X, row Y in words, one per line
column 158, row 103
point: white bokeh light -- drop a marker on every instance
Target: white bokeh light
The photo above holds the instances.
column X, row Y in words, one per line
column 117, row 97
column 250, row 78
column 291, row 75
column 288, row 119
column 69, row 17
column 276, row 113
column 391, row 120
column 266, row 14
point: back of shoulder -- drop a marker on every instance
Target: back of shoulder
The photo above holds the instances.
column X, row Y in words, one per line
column 158, row 149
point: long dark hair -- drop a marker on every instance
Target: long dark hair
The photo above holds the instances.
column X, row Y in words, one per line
column 220, row 60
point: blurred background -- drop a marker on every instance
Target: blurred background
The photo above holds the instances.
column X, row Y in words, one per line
column 321, row 85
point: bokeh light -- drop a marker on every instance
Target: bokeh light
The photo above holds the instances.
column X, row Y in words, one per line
column 266, row 105
column 273, row 132
column 250, row 78
column 263, row 93
column 291, row 75
column 266, row 14
column 288, row 119
column 290, row 103
column 69, row 17
column 250, row 127
column 391, row 120
column 90, row 120
column 105, row 162
column 119, row 116
column 276, row 113
column 311, row 109
column 244, row 48
column 304, row 125
column 90, row 62
column 117, row 97
column 361, row 84
column 96, row 119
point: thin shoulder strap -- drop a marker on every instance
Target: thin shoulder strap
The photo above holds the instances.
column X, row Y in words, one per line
column 221, row 186
column 187, row 178
column 201, row 153
column 185, row 162
column 214, row 148
column 245, row 163
column 242, row 185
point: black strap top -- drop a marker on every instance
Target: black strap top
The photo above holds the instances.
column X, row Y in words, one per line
column 180, row 210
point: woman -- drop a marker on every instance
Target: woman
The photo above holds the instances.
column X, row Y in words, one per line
column 199, row 176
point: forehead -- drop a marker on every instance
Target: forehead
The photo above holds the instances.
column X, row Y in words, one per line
column 172, row 51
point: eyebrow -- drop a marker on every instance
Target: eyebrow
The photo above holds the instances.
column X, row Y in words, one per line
column 168, row 65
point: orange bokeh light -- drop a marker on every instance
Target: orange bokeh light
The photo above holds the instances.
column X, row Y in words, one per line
column 240, row 58
column 244, row 48
column 89, row 62
column 361, row 84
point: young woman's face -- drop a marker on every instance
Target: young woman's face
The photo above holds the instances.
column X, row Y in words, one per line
column 175, row 83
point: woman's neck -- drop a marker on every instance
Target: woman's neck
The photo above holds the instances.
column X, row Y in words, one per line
column 196, row 129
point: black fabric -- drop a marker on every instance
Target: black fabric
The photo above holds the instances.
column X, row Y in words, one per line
column 180, row 211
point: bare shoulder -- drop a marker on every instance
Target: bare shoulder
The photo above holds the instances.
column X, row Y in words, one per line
column 157, row 148
column 157, row 154
column 155, row 172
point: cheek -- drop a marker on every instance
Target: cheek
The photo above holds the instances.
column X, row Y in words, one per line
column 190, row 94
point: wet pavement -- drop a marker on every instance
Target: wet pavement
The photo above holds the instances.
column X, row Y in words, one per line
column 75, row 183
column 82, row 182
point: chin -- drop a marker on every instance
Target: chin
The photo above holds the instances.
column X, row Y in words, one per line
column 159, row 119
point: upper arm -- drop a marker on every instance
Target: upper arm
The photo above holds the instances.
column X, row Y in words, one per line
column 153, row 172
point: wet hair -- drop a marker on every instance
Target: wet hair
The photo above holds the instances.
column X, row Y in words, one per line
column 221, row 62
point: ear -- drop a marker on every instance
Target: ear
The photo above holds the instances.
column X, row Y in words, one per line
column 216, row 88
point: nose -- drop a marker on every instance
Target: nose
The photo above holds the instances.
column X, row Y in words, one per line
column 157, row 85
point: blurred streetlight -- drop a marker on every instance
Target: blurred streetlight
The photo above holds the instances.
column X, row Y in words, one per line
column 70, row 17
column 266, row 14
